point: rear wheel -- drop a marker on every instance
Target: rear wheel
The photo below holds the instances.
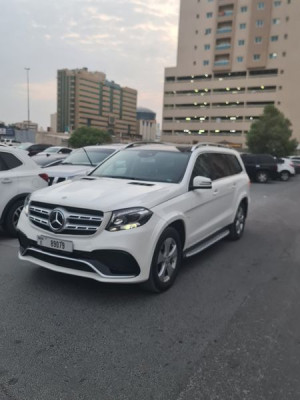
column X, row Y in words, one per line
column 236, row 229
column 284, row 176
column 166, row 262
column 13, row 216
column 262, row 176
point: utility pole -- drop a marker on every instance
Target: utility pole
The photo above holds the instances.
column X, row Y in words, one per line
column 28, row 104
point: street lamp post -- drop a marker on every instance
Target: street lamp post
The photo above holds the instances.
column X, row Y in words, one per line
column 28, row 104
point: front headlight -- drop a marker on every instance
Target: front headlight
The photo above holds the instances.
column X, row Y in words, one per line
column 130, row 218
column 26, row 205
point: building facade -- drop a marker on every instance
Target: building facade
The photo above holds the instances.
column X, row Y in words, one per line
column 146, row 124
column 234, row 58
column 87, row 98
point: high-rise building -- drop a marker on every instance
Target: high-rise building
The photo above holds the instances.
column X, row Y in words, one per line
column 234, row 58
column 86, row 98
column 146, row 124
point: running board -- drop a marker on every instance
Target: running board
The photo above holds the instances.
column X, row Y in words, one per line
column 204, row 245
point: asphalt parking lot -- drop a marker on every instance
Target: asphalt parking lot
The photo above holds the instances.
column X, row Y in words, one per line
column 229, row 329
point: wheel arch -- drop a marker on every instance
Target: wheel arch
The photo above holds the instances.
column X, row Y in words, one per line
column 20, row 196
column 245, row 202
column 179, row 226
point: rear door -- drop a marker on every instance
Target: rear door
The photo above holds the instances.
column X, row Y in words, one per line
column 9, row 179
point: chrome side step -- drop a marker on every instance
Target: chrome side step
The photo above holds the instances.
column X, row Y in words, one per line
column 204, row 245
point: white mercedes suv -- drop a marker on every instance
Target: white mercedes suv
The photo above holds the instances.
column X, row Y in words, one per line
column 136, row 215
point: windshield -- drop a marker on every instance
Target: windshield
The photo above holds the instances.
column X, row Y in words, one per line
column 51, row 150
column 145, row 165
column 79, row 157
column 24, row 146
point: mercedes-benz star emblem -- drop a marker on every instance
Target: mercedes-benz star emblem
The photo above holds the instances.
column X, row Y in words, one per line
column 57, row 220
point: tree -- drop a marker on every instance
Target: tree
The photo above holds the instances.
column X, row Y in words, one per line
column 271, row 134
column 87, row 136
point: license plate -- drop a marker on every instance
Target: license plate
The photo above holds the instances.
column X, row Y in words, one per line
column 55, row 244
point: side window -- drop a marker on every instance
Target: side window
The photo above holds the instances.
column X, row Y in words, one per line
column 9, row 161
column 202, row 167
column 233, row 163
column 3, row 166
column 65, row 151
column 219, row 166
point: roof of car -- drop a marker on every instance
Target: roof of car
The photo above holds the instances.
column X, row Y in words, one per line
column 176, row 147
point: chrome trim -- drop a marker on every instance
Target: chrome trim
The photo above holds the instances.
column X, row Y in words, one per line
column 76, row 260
column 206, row 244
column 74, row 221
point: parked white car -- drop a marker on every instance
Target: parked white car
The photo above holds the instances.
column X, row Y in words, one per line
column 137, row 214
column 285, row 168
column 19, row 176
column 51, row 154
column 80, row 162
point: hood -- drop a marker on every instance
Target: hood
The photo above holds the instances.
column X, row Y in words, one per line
column 107, row 194
column 67, row 171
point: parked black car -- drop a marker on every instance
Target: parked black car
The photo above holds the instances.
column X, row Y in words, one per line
column 34, row 149
column 260, row 167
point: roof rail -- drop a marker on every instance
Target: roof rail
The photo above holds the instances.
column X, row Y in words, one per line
column 209, row 144
column 141, row 143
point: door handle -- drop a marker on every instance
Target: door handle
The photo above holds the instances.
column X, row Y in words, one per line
column 215, row 192
column 6, row 180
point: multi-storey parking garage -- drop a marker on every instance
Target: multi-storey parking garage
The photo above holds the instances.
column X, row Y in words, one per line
column 234, row 58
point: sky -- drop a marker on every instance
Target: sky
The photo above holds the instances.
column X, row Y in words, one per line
column 132, row 41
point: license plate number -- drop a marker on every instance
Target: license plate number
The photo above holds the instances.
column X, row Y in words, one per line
column 55, row 244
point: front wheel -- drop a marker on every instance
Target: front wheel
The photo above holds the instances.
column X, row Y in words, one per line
column 166, row 261
column 236, row 229
column 13, row 216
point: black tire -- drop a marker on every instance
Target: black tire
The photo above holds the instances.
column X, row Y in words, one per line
column 285, row 176
column 12, row 217
column 236, row 229
column 262, row 176
column 166, row 262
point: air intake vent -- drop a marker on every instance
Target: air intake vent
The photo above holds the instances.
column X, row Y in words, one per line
column 141, row 184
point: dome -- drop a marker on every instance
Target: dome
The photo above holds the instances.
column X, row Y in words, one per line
column 145, row 114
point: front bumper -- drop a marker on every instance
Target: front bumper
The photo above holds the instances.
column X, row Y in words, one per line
column 114, row 257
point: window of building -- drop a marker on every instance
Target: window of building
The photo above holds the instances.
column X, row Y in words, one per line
column 195, row 47
column 209, row 15
column 277, row 3
column 261, row 5
column 241, row 42
column 206, row 46
column 276, row 21
column 286, row 36
column 197, row 16
column 273, row 55
column 256, row 57
column 205, row 62
column 240, row 59
column 244, row 9
column 243, row 26
column 207, row 31
column 258, row 39
column 274, row 38
column 259, row 23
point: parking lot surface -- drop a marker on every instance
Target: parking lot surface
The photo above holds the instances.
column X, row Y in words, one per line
column 228, row 329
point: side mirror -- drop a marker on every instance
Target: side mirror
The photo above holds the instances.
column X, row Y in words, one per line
column 201, row 182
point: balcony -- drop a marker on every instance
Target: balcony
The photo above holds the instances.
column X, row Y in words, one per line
column 224, row 29
column 225, row 13
column 219, row 63
column 223, row 46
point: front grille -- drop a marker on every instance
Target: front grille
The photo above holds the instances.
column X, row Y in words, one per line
column 78, row 221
